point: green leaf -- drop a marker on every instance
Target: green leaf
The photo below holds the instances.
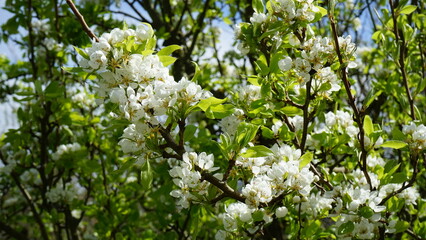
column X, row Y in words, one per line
column 366, row 212
column 368, row 125
column 346, row 227
column 253, row 80
column 257, row 151
column 168, row 50
column 274, row 68
column 418, row 113
column 146, row 176
column 291, row 110
column 73, row 69
column 197, row 72
column 38, row 88
column 395, row 144
column 81, row 52
column 258, row 6
column 399, row 177
column 257, row 216
column 189, row 132
column 371, row 96
column 401, row 226
column 408, row 9
column 390, row 167
column 211, row 101
column 150, row 44
column 127, row 165
column 322, row 10
column 220, row 111
column 167, row 60
column 395, row 204
column 262, row 65
column 305, row 159
column 54, row 90
column 245, row 133
column 129, row 44
column 77, row 119
column 267, row 133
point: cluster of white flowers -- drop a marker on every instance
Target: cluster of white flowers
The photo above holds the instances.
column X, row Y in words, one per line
column 138, row 83
column 51, row 44
column 291, row 11
column 248, row 93
column 9, row 167
column 339, row 122
column 235, row 213
column 229, row 124
column 276, row 174
column 83, row 98
column 188, row 179
column 258, row 18
column 417, row 135
column 358, row 196
column 40, row 26
column 66, row 192
column 65, row 148
column 31, row 176
column 133, row 139
column 342, row 122
column 315, row 54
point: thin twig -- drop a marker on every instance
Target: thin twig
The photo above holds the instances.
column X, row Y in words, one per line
column 81, row 20
column 359, row 118
column 306, row 118
column 414, row 158
column 401, row 41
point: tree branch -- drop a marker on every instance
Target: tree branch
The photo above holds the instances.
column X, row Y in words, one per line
column 11, row 232
column 83, row 23
column 359, row 118
column 27, row 197
column 401, row 41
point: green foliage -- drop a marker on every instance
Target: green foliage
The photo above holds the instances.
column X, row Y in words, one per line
column 63, row 172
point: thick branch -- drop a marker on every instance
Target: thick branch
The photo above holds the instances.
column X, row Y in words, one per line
column 221, row 185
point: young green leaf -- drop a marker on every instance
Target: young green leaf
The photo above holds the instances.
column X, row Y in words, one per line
column 258, row 6
column 81, row 52
column 395, row 144
column 211, row 101
column 245, row 133
column 346, row 227
column 408, row 9
column 305, row 159
column 167, row 60
column 368, row 125
column 168, row 50
column 257, row 151
column 366, row 212
column 146, row 176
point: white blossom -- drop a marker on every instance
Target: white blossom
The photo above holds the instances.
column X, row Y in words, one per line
column 285, row 64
